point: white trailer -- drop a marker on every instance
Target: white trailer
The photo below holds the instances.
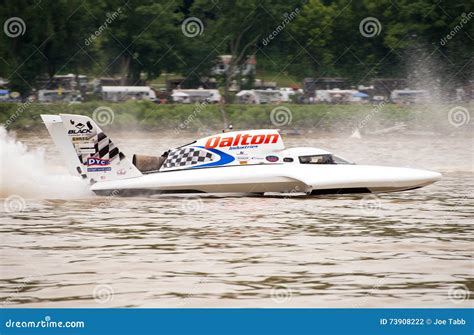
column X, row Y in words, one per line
column 408, row 97
column 59, row 95
column 122, row 93
column 195, row 95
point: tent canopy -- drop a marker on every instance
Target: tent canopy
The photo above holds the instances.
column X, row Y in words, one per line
column 360, row 95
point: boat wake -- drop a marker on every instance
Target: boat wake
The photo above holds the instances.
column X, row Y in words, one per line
column 26, row 173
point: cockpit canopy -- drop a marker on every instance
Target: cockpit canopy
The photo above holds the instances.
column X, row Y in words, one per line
column 323, row 159
column 309, row 155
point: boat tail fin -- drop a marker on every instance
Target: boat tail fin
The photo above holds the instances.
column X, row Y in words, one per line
column 88, row 151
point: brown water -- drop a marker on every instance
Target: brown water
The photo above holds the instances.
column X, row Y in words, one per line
column 68, row 248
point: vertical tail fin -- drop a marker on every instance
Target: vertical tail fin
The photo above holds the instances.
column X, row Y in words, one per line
column 88, row 151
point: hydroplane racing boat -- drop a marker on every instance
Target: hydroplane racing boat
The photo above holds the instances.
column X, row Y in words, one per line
column 249, row 162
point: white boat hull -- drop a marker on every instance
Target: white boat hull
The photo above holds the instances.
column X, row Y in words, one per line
column 310, row 179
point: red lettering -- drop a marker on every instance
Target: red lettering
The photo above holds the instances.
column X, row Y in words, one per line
column 245, row 138
column 237, row 139
column 226, row 142
column 272, row 137
column 258, row 139
column 212, row 142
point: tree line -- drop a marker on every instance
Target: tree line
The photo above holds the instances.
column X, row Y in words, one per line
column 142, row 39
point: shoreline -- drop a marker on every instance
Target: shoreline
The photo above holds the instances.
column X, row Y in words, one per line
column 192, row 118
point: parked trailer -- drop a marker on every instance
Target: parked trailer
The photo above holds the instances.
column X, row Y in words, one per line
column 59, row 95
column 196, row 95
column 408, row 97
column 267, row 96
column 122, row 93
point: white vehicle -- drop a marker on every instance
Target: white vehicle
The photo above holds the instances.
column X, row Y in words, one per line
column 253, row 161
column 409, row 96
column 267, row 96
column 196, row 95
column 335, row 95
column 121, row 93
column 47, row 96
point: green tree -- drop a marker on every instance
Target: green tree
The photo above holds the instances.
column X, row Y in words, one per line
column 51, row 41
column 314, row 28
column 237, row 28
column 145, row 38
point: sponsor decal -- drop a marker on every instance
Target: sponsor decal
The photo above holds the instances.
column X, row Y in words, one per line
column 81, row 128
column 82, row 139
column 93, row 161
column 99, row 169
column 79, row 131
column 272, row 159
column 245, row 147
column 241, row 141
column 121, row 172
column 243, row 162
column 85, row 151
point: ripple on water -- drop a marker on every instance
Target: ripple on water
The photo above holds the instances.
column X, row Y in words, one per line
column 412, row 249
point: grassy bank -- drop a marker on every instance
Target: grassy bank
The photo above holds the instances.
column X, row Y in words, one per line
column 146, row 115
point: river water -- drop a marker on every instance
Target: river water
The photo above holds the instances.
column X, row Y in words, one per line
column 64, row 247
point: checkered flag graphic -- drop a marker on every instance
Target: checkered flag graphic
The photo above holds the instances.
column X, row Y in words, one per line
column 187, row 156
column 104, row 149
